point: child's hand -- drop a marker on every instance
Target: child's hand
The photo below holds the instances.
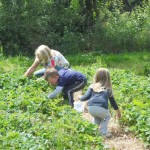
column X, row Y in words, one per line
column 118, row 114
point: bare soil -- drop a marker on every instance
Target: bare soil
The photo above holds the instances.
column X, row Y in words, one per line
column 120, row 140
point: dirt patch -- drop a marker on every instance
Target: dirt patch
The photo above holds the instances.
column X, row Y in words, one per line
column 119, row 140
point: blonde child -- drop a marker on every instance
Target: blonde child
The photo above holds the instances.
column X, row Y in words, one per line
column 98, row 95
column 49, row 58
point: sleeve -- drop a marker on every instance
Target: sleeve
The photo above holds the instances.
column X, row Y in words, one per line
column 55, row 92
column 87, row 95
column 113, row 103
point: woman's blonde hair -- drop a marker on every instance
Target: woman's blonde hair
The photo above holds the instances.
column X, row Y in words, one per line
column 102, row 80
column 43, row 53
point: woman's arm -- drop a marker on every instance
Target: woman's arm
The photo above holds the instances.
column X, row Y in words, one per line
column 32, row 68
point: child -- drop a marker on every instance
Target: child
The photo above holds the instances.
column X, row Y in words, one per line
column 67, row 81
column 49, row 58
column 97, row 96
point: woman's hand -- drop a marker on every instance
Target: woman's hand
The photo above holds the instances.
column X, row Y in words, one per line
column 32, row 68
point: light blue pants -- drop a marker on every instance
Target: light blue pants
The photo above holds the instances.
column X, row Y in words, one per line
column 101, row 117
column 40, row 73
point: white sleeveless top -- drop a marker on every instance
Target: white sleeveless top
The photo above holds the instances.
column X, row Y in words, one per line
column 58, row 60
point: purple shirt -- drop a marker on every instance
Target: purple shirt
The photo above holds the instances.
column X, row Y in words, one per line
column 68, row 77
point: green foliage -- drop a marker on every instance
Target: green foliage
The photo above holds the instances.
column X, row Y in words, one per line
column 134, row 95
column 72, row 41
column 129, row 61
column 29, row 120
column 132, row 92
column 73, row 26
column 118, row 31
column 25, row 25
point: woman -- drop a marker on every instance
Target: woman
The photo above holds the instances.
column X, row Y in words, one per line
column 49, row 58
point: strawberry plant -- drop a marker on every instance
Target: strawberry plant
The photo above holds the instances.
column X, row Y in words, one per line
column 29, row 120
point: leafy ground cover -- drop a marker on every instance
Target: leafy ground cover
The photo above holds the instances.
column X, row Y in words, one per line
column 28, row 120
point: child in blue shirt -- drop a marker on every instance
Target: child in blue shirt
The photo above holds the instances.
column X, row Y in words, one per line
column 98, row 95
column 66, row 81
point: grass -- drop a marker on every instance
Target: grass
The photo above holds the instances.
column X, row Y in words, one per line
column 137, row 62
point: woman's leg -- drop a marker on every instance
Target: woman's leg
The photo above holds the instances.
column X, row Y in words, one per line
column 39, row 73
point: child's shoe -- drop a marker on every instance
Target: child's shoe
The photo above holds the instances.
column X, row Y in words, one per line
column 107, row 135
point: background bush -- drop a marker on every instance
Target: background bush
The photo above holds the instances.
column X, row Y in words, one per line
column 73, row 26
column 118, row 31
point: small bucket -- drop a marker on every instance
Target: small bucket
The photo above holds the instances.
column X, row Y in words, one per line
column 79, row 106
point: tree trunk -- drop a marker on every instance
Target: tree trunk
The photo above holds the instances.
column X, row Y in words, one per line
column 89, row 13
column 95, row 8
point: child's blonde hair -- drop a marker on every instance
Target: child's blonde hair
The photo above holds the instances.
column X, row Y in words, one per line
column 102, row 80
column 43, row 53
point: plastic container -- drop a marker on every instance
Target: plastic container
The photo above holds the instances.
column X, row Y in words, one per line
column 79, row 106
